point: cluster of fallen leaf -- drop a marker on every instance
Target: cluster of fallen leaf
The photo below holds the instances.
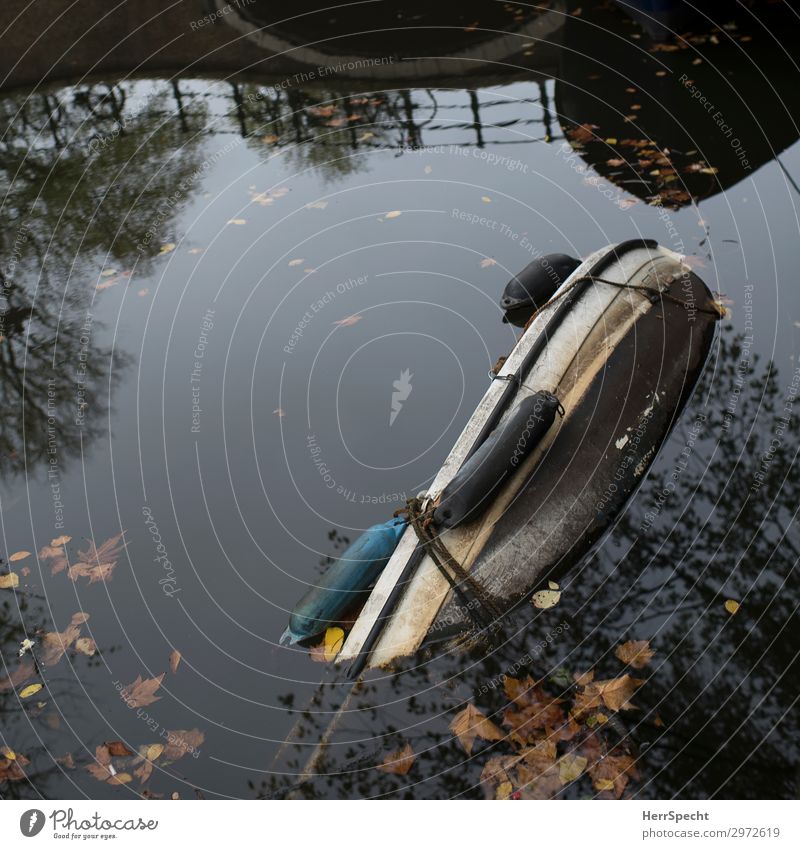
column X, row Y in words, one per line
column 664, row 171
column 114, row 763
column 544, row 743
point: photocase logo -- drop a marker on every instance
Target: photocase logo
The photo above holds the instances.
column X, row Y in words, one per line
column 31, row 822
column 402, row 389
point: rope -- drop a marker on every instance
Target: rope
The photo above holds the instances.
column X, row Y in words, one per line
column 420, row 520
column 654, row 293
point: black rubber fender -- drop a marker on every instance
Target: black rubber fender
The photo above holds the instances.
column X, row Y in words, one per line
column 471, row 491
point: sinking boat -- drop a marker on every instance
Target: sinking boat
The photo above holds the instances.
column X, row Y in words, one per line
column 620, row 345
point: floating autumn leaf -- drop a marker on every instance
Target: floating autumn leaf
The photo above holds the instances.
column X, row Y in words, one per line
column 142, row 292
column 86, row 645
column 153, row 751
column 296, row 261
column 59, row 541
column 120, row 778
column 428, row 169
column 144, row 771
column 9, row 581
column 118, row 749
column 57, row 555
column 97, row 564
column 67, row 761
column 486, row 199
column 79, row 618
column 583, row 133
column 25, row 646
column 55, row 644
column 635, row 653
column 334, row 639
column 732, row 606
column 612, row 773
column 11, row 768
column 399, row 762
column 571, row 767
column 488, row 261
column 165, row 249
column 348, row 320
column 279, row 413
column 174, row 660
column 197, row 250
column 317, row 204
column 237, row 221
column 470, row 724
column 617, row 692
column 30, row 690
column 180, row 743
column 25, row 669
column 142, row 692
column 545, row 599
column 395, row 213
column 18, row 555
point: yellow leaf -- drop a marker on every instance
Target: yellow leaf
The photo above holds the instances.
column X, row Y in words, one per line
column 108, row 272
column 9, row 754
column 120, row 778
column 239, row 221
column 470, row 724
column 334, row 638
column 486, row 199
column 393, row 214
column 731, row 606
column 505, row 790
column 9, row 581
column 571, row 767
column 168, row 248
column 18, row 555
column 611, row 141
column 295, row 261
column 553, row 585
column 546, row 598
column 58, row 541
column 604, row 784
column 154, row 751
column 30, row 690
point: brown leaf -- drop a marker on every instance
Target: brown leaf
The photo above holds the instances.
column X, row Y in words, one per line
column 635, row 653
column 54, row 645
column 617, row 691
column 59, row 541
column 612, row 773
column 67, row 761
column 180, row 743
column 144, row 771
column 142, row 693
column 18, row 555
column 118, row 749
column 470, row 724
column 348, row 320
column 25, row 669
column 101, row 572
column 79, row 618
column 174, row 660
column 399, row 762
column 86, row 645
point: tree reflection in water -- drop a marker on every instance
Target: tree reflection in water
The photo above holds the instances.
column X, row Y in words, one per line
column 712, row 522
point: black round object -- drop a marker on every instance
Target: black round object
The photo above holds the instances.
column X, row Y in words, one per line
column 538, row 281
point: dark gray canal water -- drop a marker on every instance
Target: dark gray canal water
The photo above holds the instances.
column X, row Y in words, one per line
column 211, row 282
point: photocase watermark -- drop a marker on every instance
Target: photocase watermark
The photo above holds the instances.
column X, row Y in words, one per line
column 719, row 119
column 206, row 326
column 681, row 464
column 168, row 582
column 317, row 306
column 783, row 421
column 81, row 402
column 209, row 19
column 53, row 470
column 166, row 207
column 330, row 482
column 743, row 364
column 524, row 660
column 402, row 389
column 65, row 825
